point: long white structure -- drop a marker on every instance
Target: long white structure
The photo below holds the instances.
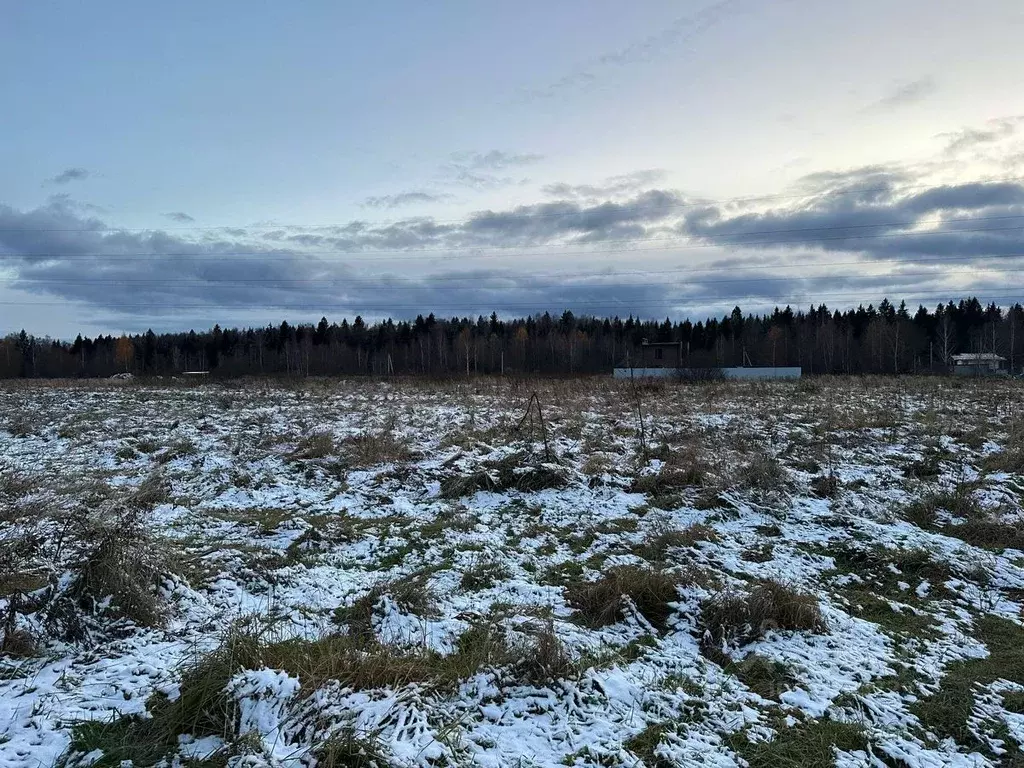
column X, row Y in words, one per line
column 763, row 372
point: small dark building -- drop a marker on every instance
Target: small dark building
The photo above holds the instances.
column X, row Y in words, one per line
column 661, row 354
column 979, row 364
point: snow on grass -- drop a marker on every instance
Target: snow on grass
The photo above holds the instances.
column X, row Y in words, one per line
column 809, row 573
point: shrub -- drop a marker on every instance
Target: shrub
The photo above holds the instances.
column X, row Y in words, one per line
column 601, row 602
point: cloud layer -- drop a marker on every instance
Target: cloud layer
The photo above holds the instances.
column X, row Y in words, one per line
column 626, row 245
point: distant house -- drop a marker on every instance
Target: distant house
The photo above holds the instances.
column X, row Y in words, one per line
column 979, row 364
column 660, row 354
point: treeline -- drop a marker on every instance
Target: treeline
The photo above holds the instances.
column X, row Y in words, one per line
column 882, row 339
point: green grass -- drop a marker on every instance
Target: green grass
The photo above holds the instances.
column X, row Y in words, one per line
column 946, row 713
column 806, row 745
column 205, row 708
column 644, row 743
column 868, row 606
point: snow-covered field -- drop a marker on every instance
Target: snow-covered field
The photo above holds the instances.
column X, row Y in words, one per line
column 824, row 572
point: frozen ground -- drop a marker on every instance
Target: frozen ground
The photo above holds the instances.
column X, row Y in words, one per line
column 826, row 572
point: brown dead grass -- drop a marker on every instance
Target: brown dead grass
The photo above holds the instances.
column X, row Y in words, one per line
column 602, row 602
column 742, row 617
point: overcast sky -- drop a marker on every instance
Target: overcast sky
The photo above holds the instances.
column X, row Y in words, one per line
column 176, row 165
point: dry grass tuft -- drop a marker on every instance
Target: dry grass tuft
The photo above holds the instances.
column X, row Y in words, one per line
column 318, row 445
column 979, row 526
column 372, row 449
column 125, row 566
column 602, row 602
column 826, row 486
column 746, row 616
column 345, row 748
column 515, row 472
column 763, row 473
column 768, row 679
column 484, row 574
column 659, row 543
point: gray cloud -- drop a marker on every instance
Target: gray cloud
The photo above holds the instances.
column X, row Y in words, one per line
column 613, row 186
column 968, row 138
column 876, row 214
column 405, row 198
column 588, row 249
column 68, row 175
column 904, row 94
column 179, row 216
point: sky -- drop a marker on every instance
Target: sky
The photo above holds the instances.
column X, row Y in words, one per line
column 176, row 165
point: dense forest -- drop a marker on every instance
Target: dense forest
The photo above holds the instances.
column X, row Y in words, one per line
column 882, row 339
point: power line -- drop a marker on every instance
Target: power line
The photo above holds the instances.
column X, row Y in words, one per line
column 551, row 214
column 470, row 252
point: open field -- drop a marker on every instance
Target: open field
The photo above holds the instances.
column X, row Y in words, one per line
column 353, row 573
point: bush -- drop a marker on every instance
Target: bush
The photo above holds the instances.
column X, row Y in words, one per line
column 601, row 602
